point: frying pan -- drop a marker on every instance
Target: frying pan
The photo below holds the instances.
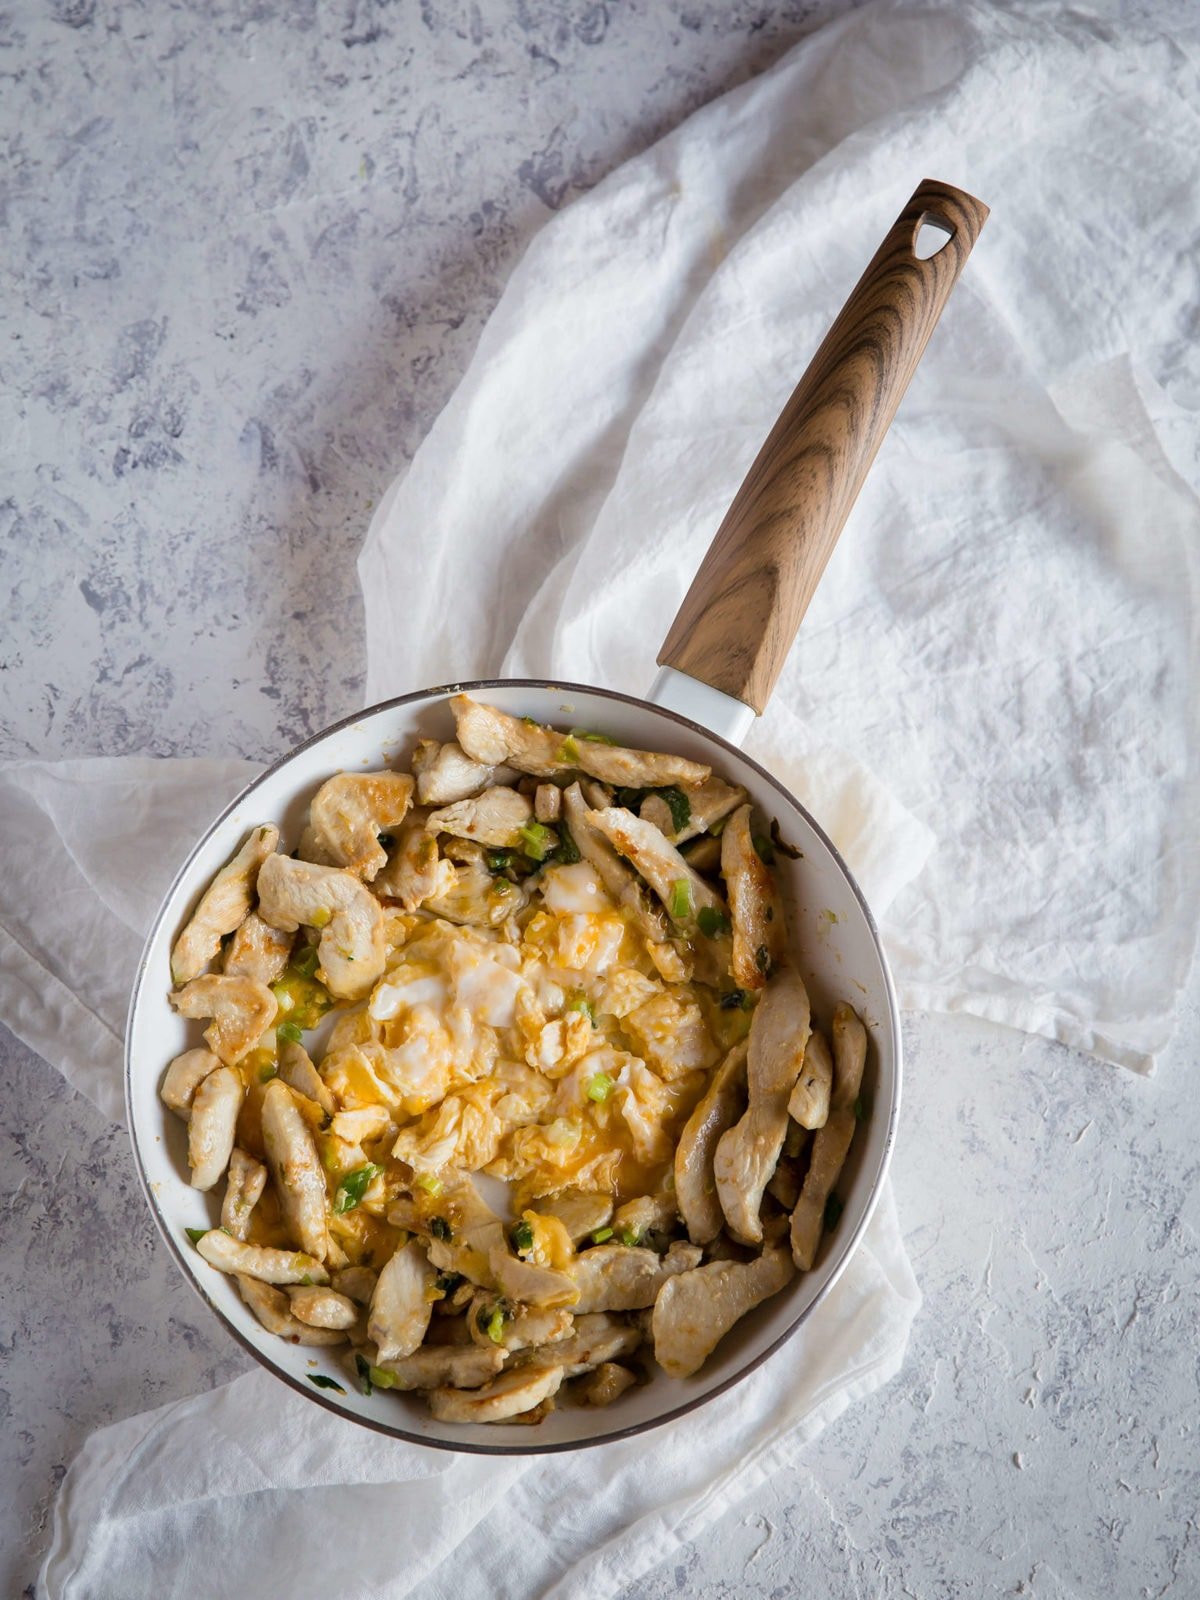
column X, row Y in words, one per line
column 719, row 664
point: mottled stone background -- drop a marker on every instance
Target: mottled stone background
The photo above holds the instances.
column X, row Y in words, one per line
column 247, row 250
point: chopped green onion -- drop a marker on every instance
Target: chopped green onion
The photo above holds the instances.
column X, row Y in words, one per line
column 862, row 1109
column 448, row 1282
column 386, row 841
column 382, row 1379
column 291, row 1032
column 430, row 1182
column 600, row 1087
column 267, row 1071
column 580, row 1002
column 307, row 962
column 521, row 1235
column 196, row 1234
column 833, row 1210
column 363, row 1367
column 535, row 837
column 788, row 850
column 679, row 806
column 568, row 751
column 601, row 1234
column 441, row 1229
column 531, row 722
column 762, row 960
column 732, row 1000
column 592, row 738
column 306, row 1280
column 628, row 1236
column 764, row 848
column 631, row 799
column 681, row 904
column 568, row 850
column 322, row 1382
column 493, row 1326
column 712, row 922
column 352, row 1188
column 498, row 860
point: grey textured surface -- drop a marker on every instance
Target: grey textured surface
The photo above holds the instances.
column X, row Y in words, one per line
column 248, row 250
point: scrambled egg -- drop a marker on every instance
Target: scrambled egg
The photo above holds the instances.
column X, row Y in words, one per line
column 549, row 1051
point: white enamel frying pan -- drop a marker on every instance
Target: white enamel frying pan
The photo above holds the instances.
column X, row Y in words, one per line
column 720, row 662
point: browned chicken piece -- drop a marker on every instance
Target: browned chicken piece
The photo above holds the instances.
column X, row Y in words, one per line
column 243, row 1190
column 183, row 1077
column 227, row 1254
column 500, row 1400
column 297, row 1071
column 401, row 1307
column 298, row 893
column 273, row 1309
column 258, row 951
column 213, row 1126
column 527, row 1325
column 703, row 854
column 579, row 1212
column 831, row 1143
column 530, row 1285
column 746, row 1154
column 296, row 1169
column 415, row 870
column 320, row 1307
column 695, row 1311
column 223, row 905
column 445, row 773
column 494, row 818
column 356, row 1283
column 708, row 803
column 618, row 1277
column 351, row 810
column 241, row 1011
column 658, row 861
column 475, row 898
column 608, row 1383
column 547, row 802
column 809, row 1104
column 621, row 882
column 595, row 1339
column 493, row 736
column 450, row 1366
column 695, row 1184
column 759, row 929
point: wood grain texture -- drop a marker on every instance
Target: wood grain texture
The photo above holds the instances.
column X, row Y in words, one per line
column 740, row 616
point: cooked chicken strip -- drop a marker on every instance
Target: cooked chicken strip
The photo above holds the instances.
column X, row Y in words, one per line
column 243, row 1190
column 608, row 1383
column 213, row 1126
column 445, row 773
column 292, row 893
column 297, row 1071
column 695, row 1184
column 400, row 1307
column 658, row 861
column 595, row 1339
column 493, row 818
column 224, row 904
column 504, row 1397
column 530, row 1326
column 618, row 878
column 649, row 1213
column 617, row 1277
column 350, row 811
column 528, row 1284
column 493, row 736
column 257, row 950
column 696, row 1310
column 322, row 1308
column 183, row 1077
column 747, row 1154
column 227, row 1254
column 296, row 1168
column 580, row 1214
column 832, row 1141
column 710, row 802
column 356, row 1283
column 759, row 929
column 809, row 1104
column 273, row 1310
column 241, row 1009
column 436, row 1366
column 477, row 899
column 415, row 871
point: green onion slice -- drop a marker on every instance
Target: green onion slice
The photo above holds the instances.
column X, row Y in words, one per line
column 352, row 1188
column 681, row 904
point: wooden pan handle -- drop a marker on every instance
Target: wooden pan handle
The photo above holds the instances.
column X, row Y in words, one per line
column 740, row 616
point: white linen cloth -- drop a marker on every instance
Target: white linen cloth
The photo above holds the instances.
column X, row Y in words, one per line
column 988, row 706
